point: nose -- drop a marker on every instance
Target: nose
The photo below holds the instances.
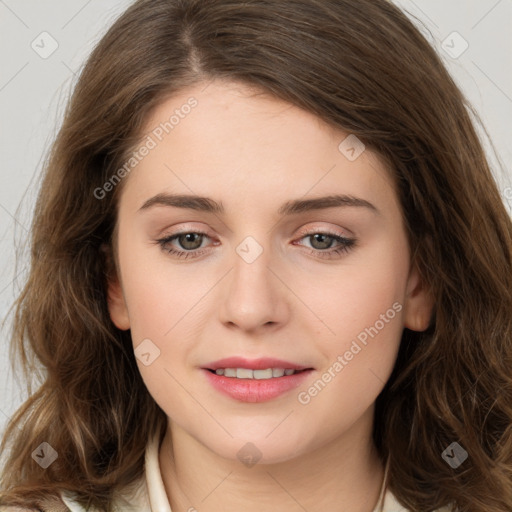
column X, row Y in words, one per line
column 253, row 297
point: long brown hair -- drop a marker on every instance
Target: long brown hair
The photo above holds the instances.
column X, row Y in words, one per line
column 360, row 66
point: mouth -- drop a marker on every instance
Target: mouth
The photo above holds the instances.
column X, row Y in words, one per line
column 262, row 363
column 258, row 380
column 248, row 373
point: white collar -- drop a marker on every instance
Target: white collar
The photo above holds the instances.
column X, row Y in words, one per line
column 156, row 491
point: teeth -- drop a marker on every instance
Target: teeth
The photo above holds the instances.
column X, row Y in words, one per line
column 263, row 374
column 247, row 373
column 244, row 373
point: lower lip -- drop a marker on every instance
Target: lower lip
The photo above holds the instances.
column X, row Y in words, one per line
column 256, row 390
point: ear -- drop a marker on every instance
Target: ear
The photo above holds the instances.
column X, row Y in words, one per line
column 115, row 298
column 418, row 303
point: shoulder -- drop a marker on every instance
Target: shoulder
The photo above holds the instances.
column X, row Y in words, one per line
column 391, row 504
column 5, row 508
column 131, row 498
column 51, row 505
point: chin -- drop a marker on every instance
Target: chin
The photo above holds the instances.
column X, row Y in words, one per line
column 260, row 449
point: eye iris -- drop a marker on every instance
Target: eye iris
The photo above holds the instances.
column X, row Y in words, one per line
column 190, row 238
column 319, row 237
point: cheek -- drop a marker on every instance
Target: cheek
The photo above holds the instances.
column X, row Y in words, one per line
column 160, row 293
column 165, row 305
column 359, row 361
column 352, row 296
column 362, row 307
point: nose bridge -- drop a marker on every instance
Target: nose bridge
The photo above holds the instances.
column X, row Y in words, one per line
column 253, row 297
column 251, row 263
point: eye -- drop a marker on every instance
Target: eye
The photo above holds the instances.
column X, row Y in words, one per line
column 322, row 240
column 189, row 240
column 321, row 244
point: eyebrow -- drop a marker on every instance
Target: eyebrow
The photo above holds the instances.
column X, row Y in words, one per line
column 296, row 206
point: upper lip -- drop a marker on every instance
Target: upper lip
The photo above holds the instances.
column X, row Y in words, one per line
column 255, row 364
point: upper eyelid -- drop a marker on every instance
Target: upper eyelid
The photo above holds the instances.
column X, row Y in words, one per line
column 303, row 232
column 315, row 229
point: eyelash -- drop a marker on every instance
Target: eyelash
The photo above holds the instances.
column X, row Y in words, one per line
column 346, row 245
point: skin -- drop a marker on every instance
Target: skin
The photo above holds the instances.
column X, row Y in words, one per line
column 253, row 153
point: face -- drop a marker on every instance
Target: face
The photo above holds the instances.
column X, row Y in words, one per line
column 264, row 268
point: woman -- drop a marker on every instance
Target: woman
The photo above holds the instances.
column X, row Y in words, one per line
column 270, row 268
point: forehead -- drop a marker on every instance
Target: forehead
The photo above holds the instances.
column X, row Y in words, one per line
column 232, row 141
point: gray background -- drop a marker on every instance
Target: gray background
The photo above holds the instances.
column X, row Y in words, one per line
column 33, row 92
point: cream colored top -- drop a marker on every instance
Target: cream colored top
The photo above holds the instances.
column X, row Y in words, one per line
column 148, row 494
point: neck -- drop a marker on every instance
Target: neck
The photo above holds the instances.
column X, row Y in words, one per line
column 344, row 475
